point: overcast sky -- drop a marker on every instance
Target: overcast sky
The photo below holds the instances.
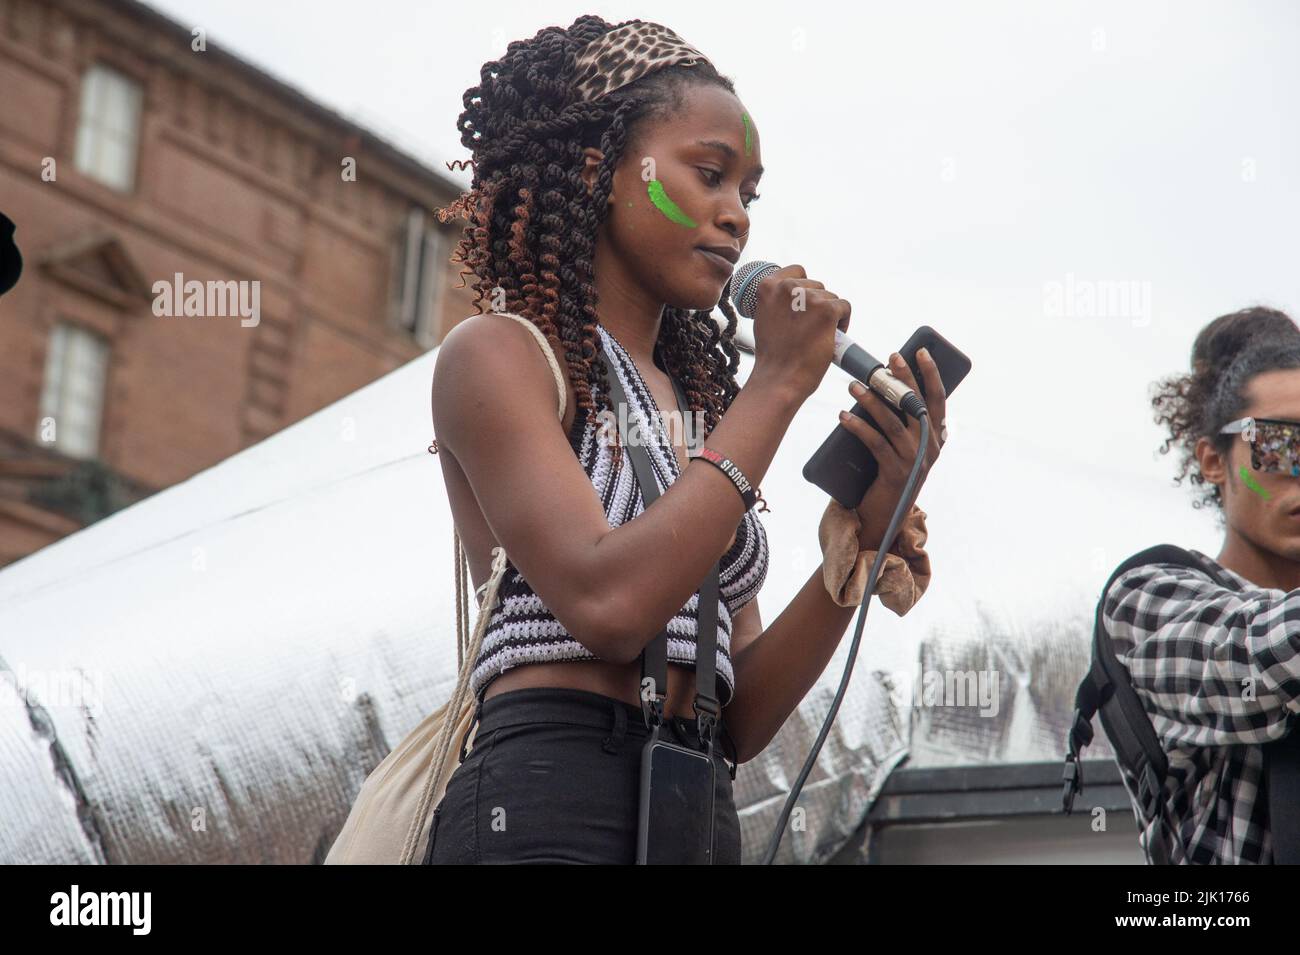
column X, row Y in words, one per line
column 986, row 168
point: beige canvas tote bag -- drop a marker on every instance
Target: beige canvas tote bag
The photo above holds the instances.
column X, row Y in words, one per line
column 390, row 820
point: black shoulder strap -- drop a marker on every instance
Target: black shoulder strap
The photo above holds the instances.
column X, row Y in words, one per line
column 654, row 658
column 1282, row 773
column 1108, row 690
column 706, row 644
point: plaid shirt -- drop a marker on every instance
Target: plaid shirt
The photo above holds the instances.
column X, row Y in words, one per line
column 1197, row 654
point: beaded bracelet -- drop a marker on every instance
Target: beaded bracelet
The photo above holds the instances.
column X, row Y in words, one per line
column 748, row 493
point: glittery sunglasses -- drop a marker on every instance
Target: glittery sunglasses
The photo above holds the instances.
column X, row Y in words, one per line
column 1274, row 443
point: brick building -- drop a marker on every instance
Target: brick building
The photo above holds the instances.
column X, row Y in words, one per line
column 302, row 245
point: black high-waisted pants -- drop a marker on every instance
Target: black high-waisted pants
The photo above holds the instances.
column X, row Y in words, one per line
column 554, row 776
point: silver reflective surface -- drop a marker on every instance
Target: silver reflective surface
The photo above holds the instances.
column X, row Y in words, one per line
column 209, row 675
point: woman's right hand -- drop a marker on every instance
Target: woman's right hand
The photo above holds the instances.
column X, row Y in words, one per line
column 895, row 444
column 794, row 330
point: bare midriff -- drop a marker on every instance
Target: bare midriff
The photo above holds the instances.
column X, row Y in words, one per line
column 622, row 681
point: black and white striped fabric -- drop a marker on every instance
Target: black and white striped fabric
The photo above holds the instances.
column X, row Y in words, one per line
column 1218, row 672
column 522, row 630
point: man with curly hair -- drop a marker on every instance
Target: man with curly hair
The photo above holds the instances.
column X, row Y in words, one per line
column 1213, row 652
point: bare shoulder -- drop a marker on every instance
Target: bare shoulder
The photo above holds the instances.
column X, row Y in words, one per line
column 494, row 401
column 476, row 359
column 489, row 340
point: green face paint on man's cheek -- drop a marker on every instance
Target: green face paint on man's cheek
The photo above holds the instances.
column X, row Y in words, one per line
column 655, row 189
column 1251, row 483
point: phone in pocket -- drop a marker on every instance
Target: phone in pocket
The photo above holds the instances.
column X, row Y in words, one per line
column 843, row 466
column 676, row 818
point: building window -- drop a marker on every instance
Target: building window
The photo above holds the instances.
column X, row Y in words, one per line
column 109, row 127
column 76, row 368
column 420, row 267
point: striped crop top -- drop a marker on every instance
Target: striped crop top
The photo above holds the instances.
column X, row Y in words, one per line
column 522, row 630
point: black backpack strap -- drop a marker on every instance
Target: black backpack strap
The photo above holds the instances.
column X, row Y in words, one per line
column 1282, row 772
column 1107, row 690
column 1107, row 685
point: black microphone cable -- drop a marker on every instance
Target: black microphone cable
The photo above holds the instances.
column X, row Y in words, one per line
column 923, row 415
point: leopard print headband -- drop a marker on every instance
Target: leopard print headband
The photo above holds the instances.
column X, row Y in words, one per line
column 627, row 53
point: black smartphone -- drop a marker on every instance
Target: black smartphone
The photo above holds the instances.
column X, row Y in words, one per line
column 843, row 466
column 676, row 820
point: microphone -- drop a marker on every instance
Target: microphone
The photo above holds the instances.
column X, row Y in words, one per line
column 849, row 355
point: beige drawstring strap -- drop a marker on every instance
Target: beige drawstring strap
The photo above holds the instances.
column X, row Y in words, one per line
column 458, row 697
column 466, row 648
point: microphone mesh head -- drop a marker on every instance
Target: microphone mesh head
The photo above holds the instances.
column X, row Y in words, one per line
column 744, row 284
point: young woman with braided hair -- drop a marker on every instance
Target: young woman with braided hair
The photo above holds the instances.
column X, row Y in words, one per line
column 608, row 161
column 1217, row 667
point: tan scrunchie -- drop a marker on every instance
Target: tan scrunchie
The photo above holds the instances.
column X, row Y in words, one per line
column 902, row 579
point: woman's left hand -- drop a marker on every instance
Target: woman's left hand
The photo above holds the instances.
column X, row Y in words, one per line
column 895, row 450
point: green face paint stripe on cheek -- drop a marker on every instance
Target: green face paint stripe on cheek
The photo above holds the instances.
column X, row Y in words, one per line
column 1251, row 483
column 749, row 135
column 665, row 205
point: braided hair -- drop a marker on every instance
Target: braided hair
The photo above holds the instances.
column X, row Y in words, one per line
column 531, row 238
column 1227, row 354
